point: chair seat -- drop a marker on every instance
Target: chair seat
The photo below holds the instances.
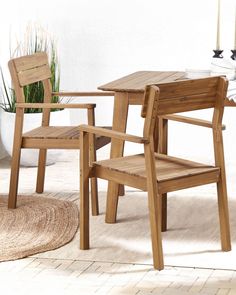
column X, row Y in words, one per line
column 59, row 134
column 53, row 132
column 171, row 171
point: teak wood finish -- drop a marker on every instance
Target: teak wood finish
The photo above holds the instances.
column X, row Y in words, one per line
column 129, row 91
column 29, row 69
column 158, row 173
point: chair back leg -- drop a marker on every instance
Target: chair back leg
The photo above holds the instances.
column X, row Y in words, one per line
column 41, row 170
column 162, row 145
column 223, row 216
column 222, row 192
column 92, row 158
column 94, row 196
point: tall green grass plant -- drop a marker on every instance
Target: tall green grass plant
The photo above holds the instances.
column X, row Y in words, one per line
column 36, row 39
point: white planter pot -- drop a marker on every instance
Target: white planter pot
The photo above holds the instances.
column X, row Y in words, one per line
column 29, row 157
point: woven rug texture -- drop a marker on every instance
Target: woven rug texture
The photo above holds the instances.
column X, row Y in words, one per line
column 38, row 224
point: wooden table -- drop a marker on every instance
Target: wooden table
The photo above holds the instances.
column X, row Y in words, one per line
column 129, row 91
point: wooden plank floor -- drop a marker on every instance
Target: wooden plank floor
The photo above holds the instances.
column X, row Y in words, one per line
column 55, row 276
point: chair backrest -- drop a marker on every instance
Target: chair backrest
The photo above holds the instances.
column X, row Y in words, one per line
column 29, row 69
column 182, row 96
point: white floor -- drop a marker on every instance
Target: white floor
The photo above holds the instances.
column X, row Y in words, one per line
column 55, row 276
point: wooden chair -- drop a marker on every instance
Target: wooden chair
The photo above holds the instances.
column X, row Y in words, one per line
column 158, row 173
column 29, row 69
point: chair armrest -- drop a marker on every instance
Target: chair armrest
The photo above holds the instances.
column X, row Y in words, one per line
column 55, row 105
column 189, row 120
column 93, row 93
column 113, row 134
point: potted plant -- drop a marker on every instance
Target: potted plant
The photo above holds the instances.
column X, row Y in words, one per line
column 36, row 39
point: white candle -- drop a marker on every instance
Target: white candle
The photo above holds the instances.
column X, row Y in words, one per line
column 218, row 28
column 235, row 30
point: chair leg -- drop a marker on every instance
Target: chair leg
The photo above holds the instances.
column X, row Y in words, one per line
column 15, row 162
column 84, row 213
column 164, row 213
column 155, row 207
column 121, row 190
column 154, row 203
column 84, row 192
column 112, row 203
column 15, row 167
column 92, row 158
column 221, row 184
column 223, row 216
column 41, row 171
column 161, row 146
column 94, row 196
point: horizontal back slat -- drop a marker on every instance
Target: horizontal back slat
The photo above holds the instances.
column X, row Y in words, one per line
column 28, row 62
column 34, row 75
column 185, row 104
column 189, row 95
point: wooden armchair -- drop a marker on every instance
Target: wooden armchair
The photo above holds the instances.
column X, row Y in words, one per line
column 29, row 69
column 159, row 173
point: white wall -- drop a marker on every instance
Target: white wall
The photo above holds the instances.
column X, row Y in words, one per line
column 99, row 41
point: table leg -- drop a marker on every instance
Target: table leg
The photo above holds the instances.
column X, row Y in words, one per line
column 120, row 114
column 163, row 149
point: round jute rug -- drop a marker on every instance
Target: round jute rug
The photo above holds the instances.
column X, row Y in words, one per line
column 38, row 224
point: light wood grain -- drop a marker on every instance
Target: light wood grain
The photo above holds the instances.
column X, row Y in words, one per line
column 34, row 75
column 160, row 173
column 190, row 120
column 84, row 93
column 184, row 96
column 220, row 162
column 93, row 158
column 55, row 105
column 35, row 68
column 162, row 147
column 120, row 115
column 84, row 191
column 28, row 62
column 113, row 134
column 15, row 166
column 154, row 206
column 43, row 150
column 137, row 81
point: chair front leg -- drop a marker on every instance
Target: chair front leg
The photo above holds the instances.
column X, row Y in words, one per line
column 41, row 170
column 15, row 161
column 112, row 203
column 14, row 179
column 84, row 191
column 154, row 205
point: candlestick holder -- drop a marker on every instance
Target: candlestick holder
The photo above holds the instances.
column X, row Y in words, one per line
column 218, row 53
column 233, row 56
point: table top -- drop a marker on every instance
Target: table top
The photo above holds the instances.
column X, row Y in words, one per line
column 137, row 81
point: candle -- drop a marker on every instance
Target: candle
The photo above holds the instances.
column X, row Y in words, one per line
column 218, row 28
column 235, row 30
